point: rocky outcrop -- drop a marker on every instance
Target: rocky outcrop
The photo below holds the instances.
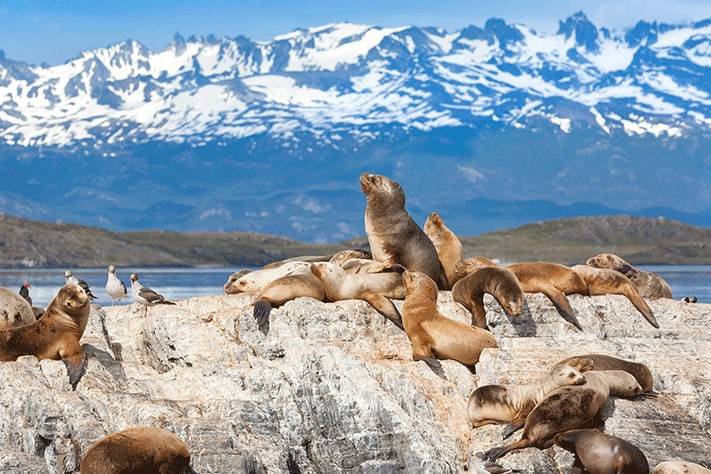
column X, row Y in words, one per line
column 332, row 388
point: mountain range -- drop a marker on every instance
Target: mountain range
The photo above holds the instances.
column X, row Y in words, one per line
column 494, row 126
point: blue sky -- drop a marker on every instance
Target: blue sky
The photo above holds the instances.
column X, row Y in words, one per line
column 54, row 31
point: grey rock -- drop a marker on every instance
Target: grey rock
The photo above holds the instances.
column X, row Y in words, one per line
column 332, row 387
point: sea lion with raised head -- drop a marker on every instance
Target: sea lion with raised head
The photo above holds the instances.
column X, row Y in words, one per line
column 143, row 450
column 498, row 282
column 601, row 281
column 649, row 285
column 605, row 362
column 54, row 336
column 447, row 244
column 375, row 288
column 569, row 408
column 679, row 467
column 512, row 403
column 15, row 311
column 393, row 236
column 600, row 453
column 255, row 281
column 296, row 284
column 434, row 336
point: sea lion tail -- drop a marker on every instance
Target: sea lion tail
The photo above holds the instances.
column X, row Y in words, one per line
column 641, row 305
column 262, row 309
column 561, row 303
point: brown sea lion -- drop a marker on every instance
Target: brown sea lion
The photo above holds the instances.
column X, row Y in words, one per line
column 498, row 282
column 512, row 403
column 297, row 284
column 434, row 336
column 447, row 244
column 569, row 408
column 141, row 450
column 601, row 453
column 680, row 467
column 553, row 280
column 470, row 265
column 375, row 288
column 344, row 255
column 601, row 281
column 56, row 335
column 649, row 285
column 254, row 281
column 605, row 362
column 15, row 311
column 393, row 236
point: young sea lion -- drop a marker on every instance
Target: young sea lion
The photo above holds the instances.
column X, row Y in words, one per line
column 605, row 362
column 375, row 288
column 470, row 265
column 601, row 281
column 298, row 283
column 512, row 403
column 141, row 450
column 498, row 282
column 434, row 336
column 56, row 335
column 568, row 408
column 447, row 244
column 599, row 453
column 649, row 285
column 255, row 281
column 679, row 467
column 393, row 236
column 15, row 311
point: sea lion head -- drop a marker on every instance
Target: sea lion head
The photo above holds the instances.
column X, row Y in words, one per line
column 73, row 299
column 566, row 440
column 507, row 290
column 611, row 262
column 564, row 375
column 344, row 255
column 433, row 224
column 326, row 270
column 382, row 188
column 234, row 285
column 418, row 283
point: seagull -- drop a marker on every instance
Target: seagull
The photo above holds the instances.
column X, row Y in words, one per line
column 144, row 295
column 71, row 279
column 25, row 292
column 115, row 287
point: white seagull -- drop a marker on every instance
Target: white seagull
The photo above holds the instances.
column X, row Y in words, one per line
column 70, row 278
column 144, row 295
column 115, row 287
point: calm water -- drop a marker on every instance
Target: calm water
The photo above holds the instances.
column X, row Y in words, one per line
column 180, row 283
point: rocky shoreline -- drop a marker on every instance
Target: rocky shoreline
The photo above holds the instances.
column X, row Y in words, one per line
column 332, row 388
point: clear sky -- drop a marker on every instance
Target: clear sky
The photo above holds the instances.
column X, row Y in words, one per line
column 53, row 31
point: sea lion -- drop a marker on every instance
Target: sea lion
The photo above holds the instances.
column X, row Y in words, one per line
column 393, row 236
column 470, row 265
column 680, row 467
column 255, row 281
column 375, row 288
column 569, row 408
column 649, row 285
column 601, row 453
column 601, row 281
column 15, row 311
column 56, row 335
column 140, row 450
column 344, row 255
column 447, row 244
column 434, row 336
column 296, row 284
column 605, row 362
column 498, row 282
column 512, row 403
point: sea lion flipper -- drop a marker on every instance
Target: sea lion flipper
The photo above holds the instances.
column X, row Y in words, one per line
column 397, row 268
column 561, row 303
column 385, row 307
column 76, row 367
column 262, row 309
column 512, row 427
column 641, row 305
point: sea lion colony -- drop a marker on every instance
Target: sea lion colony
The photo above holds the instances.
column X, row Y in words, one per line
column 406, row 263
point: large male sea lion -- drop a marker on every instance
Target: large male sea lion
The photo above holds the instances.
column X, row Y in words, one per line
column 15, row 311
column 649, row 285
column 568, row 408
column 142, row 450
column 375, row 288
column 512, row 403
column 597, row 452
column 448, row 246
column 599, row 362
column 393, row 236
column 601, row 281
column 498, row 282
column 54, row 336
column 434, row 336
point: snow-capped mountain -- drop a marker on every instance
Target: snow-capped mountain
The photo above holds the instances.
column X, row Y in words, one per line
column 357, row 93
